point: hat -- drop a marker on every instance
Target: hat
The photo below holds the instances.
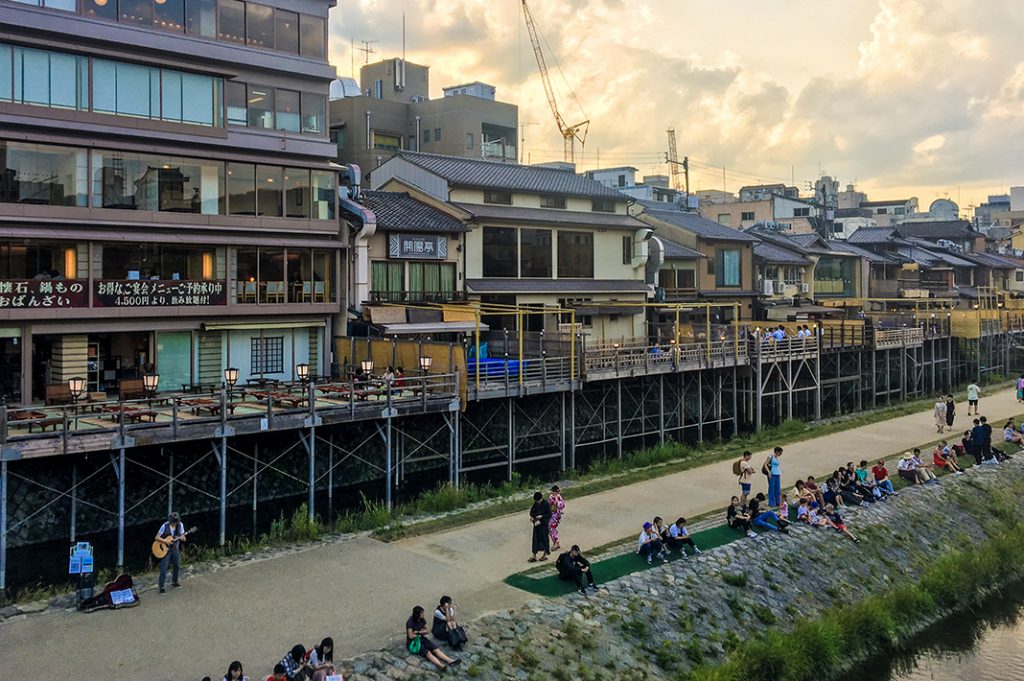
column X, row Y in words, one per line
column 648, row 526
column 173, row 517
column 907, row 456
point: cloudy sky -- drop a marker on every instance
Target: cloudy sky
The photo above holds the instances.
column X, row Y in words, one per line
column 903, row 97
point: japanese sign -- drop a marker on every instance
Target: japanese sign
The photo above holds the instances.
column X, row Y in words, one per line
column 158, row 293
column 80, row 561
column 419, row 247
column 42, row 294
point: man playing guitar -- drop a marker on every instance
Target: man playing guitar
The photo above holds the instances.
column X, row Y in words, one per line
column 170, row 534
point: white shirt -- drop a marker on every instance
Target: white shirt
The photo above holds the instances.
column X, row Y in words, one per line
column 645, row 536
column 675, row 531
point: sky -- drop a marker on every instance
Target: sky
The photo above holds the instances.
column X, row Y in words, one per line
column 902, row 97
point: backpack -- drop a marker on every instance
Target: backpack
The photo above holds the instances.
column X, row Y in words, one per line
column 736, row 470
column 766, row 467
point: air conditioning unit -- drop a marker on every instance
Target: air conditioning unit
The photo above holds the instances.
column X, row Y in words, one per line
column 805, row 288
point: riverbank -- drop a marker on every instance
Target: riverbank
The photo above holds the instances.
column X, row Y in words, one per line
column 780, row 608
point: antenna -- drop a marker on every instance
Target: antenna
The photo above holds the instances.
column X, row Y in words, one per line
column 367, row 50
column 403, row 37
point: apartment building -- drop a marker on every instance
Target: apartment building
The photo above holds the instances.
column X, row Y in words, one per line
column 167, row 198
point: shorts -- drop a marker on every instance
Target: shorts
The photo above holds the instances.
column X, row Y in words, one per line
column 840, row 527
column 972, row 403
column 745, row 487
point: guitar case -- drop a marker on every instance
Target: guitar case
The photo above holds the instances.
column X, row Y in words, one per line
column 119, row 593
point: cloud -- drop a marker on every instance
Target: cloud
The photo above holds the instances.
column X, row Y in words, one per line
column 919, row 94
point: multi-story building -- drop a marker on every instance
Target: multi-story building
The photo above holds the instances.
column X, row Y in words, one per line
column 393, row 111
column 777, row 210
column 167, row 198
column 890, row 212
column 539, row 237
column 623, row 178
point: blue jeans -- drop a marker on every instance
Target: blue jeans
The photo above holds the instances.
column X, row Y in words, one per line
column 774, row 490
column 886, row 485
column 761, row 520
column 652, row 548
column 174, row 558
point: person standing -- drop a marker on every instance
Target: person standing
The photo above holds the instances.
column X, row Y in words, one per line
column 540, row 517
column 940, row 415
column 171, row 534
column 950, row 412
column 978, row 443
column 557, row 509
column 986, row 445
column 1020, row 389
column 973, row 391
column 775, row 478
column 746, row 475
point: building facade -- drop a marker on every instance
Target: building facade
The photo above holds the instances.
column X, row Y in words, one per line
column 168, row 201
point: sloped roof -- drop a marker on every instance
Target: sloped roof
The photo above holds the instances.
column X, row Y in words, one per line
column 550, row 215
column 872, row 235
column 678, row 251
column 501, row 285
column 701, row 226
column 776, row 254
column 999, row 262
column 941, row 229
column 845, row 247
column 471, row 172
column 398, row 211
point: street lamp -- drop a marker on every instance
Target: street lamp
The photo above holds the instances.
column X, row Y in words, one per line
column 76, row 386
column 231, row 377
column 367, row 366
column 150, row 383
column 302, row 372
column 425, row 363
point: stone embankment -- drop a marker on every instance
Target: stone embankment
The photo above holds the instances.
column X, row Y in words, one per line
column 658, row 623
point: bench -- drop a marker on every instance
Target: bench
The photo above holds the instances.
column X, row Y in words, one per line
column 58, row 393
column 131, row 389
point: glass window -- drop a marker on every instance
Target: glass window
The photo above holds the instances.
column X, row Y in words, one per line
column 66, row 5
column 269, row 185
column 126, row 89
column 437, row 134
column 286, row 31
column 158, row 183
column 155, row 261
column 272, row 288
column 169, row 15
column 382, row 140
column 500, row 257
column 100, row 9
column 43, row 78
column 136, row 12
column 6, row 74
column 324, row 194
column 728, row 270
column 469, row 140
column 503, row 198
column 200, row 99
column 323, row 276
column 387, row 281
column 259, row 25
column 261, row 106
column 201, row 18
column 236, row 103
column 575, row 255
column 288, row 110
column 296, row 193
column 232, row 20
column 26, row 259
column 535, row 252
column 267, row 355
column 40, row 174
column 241, row 189
column 548, row 201
column 246, row 274
column 426, row 135
column 314, row 113
column 311, row 36
column 603, row 205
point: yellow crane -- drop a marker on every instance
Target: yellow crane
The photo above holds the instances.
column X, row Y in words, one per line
column 570, row 133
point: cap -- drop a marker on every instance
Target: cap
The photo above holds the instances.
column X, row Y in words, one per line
column 173, row 517
column 648, row 526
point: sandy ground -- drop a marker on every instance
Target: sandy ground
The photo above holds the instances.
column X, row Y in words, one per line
column 360, row 591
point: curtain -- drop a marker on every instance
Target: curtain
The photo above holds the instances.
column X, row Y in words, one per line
column 730, row 268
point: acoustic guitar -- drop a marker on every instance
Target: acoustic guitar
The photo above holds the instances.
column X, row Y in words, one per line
column 161, row 546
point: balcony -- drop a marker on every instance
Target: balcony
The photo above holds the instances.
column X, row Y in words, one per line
column 498, row 151
column 417, row 296
column 834, row 288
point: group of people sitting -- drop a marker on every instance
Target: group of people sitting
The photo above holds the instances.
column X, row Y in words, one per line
column 444, row 628
column 658, row 541
column 778, row 333
column 298, row 664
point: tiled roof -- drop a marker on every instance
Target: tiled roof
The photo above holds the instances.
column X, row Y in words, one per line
column 701, row 226
column 893, row 202
column 1000, row 262
column 776, row 254
column 550, row 215
column 872, row 235
column 678, row 251
column 471, row 172
column 942, row 229
column 397, row 211
column 876, row 258
column 502, row 285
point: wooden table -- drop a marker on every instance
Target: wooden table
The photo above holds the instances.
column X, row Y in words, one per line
column 199, row 404
column 131, row 414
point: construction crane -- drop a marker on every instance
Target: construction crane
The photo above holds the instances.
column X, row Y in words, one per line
column 673, row 158
column 570, row 133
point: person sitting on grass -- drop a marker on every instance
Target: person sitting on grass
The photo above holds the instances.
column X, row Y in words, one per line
column 737, row 517
column 573, row 567
column 862, row 477
column 650, row 546
column 881, row 475
column 835, row 521
column 1010, row 434
column 800, row 492
column 445, row 627
column 851, row 493
column 761, row 518
column 679, row 538
column 659, row 528
column 830, row 492
column 924, row 466
column 944, row 458
column 783, row 506
column 812, row 487
column 279, row 673
column 417, row 643
column 807, row 513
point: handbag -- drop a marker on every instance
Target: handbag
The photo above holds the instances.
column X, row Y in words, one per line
column 414, row 645
column 457, row 636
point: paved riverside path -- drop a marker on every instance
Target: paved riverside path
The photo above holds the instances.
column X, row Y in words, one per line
column 360, row 591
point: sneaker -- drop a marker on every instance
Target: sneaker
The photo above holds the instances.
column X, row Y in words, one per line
column 856, row 541
column 583, row 592
column 958, row 473
column 455, row 663
column 650, row 560
column 696, row 551
column 593, row 587
column 163, row 591
column 176, row 585
column 663, row 556
column 752, row 534
column 864, row 504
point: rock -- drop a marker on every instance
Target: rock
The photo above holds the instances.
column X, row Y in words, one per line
column 34, row 607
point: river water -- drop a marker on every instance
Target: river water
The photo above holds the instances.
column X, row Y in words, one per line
column 984, row 645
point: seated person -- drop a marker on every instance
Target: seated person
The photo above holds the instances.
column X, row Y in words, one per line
column 801, row 492
column 944, row 457
column 848, row 488
column 881, row 475
column 321, row 659
column 761, row 518
column 835, row 521
column 812, row 486
column 737, row 518
column 295, row 664
column 1010, row 434
column 278, row 674
column 925, row 468
column 650, row 545
column 783, row 506
column 660, row 529
column 830, row 492
column 445, row 627
column 417, row 643
column 807, row 513
column 679, row 538
column 573, row 567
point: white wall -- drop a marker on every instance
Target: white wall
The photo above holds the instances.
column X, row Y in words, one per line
column 238, row 351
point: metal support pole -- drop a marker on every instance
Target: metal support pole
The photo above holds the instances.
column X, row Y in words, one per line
column 661, row 409
column 700, row 405
column 572, row 429
column 457, row 415
column 170, row 483
column 735, row 405
column 74, row 500
column 618, row 417
column 330, row 476
column 223, row 489
column 789, row 387
column 561, row 440
column 312, row 470
column 120, row 508
column 255, row 482
column 817, row 386
column 389, row 473
column 511, row 442
column 757, row 393
column 3, row 523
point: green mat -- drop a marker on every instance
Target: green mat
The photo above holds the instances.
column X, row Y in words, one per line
column 618, row 566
